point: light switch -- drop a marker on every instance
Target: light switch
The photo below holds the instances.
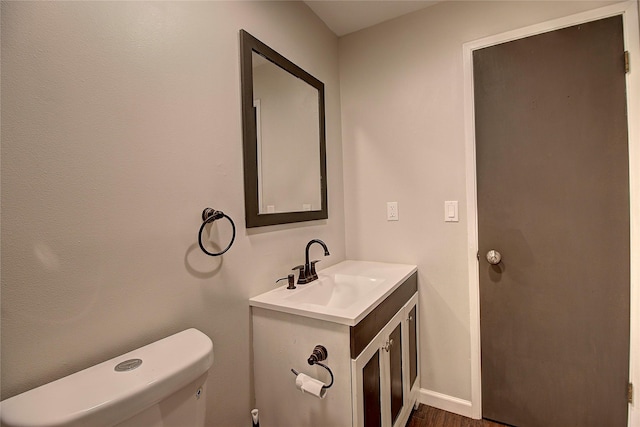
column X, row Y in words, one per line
column 451, row 211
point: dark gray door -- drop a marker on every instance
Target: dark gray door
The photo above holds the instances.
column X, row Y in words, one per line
column 553, row 199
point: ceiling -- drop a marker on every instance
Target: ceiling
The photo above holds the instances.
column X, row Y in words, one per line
column 344, row 17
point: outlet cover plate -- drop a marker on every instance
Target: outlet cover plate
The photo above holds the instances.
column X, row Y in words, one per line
column 392, row 211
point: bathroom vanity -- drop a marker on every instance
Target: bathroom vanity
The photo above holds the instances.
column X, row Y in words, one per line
column 365, row 314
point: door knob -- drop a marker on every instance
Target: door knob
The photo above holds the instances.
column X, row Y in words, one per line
column 494, row 257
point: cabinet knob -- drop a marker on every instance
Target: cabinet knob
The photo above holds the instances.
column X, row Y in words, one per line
column 387, row 345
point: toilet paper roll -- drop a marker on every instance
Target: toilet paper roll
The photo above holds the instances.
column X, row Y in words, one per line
column 310, row 385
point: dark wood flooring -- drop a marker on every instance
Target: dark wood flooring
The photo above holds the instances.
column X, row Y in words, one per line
column 427, row 416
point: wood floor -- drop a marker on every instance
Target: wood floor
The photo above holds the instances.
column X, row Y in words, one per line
column 426, row 416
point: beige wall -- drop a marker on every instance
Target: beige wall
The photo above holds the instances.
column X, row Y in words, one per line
column 121, row 121
column 403, row 140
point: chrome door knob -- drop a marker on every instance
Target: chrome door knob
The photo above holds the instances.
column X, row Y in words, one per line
column 494, row 257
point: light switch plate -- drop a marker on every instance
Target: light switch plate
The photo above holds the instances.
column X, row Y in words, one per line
column 451, row 211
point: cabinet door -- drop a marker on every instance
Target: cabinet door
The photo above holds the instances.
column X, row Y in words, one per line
column 412, row 322
column 411, row 349
column 371, row 392
column 378, row 384
column 396, row 383
column 367, row 385
column 403, row 365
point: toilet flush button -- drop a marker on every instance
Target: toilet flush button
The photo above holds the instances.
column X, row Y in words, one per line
column 128, row 365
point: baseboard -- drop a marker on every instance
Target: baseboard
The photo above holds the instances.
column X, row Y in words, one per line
column 446, row 403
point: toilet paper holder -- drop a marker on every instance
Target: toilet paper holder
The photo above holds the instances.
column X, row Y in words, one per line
column 318, row 355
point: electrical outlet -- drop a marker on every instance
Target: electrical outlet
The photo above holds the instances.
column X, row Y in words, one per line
column 392, row 211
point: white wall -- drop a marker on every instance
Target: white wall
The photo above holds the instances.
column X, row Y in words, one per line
column 121, row 122
column 403, row 140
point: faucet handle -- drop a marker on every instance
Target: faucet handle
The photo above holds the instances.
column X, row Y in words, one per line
column 313, row 273
column 302, row 279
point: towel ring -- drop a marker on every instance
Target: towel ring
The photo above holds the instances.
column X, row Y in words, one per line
column 210, row 215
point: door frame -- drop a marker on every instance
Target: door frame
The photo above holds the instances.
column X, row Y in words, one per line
column 629, row 12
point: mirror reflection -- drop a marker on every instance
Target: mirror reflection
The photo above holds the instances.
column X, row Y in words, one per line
column 283, row 138
column 287, row 134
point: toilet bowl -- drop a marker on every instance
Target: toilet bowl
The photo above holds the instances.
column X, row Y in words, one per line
column 159, row 385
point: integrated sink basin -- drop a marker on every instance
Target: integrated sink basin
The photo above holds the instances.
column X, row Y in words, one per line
column 343, row 293
column 336, row 290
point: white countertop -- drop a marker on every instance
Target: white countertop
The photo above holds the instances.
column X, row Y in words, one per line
column 344, row 293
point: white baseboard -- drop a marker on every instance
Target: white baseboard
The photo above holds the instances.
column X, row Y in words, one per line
column 446, row 402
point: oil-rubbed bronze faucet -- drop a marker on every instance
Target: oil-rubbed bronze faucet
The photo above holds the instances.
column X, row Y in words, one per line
column 308, row 270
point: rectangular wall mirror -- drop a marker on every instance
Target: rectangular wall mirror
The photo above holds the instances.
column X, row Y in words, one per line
column 284, row 145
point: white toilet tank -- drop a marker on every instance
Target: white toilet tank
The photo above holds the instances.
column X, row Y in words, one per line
column 159, row 385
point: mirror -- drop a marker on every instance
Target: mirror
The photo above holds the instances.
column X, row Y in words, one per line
column 283, row 138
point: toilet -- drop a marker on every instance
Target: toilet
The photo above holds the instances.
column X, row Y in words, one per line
column 159, row 385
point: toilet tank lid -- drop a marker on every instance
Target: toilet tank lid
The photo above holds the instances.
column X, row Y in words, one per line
column 100, row 395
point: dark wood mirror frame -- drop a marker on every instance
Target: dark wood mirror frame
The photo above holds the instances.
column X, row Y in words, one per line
column 253, row 218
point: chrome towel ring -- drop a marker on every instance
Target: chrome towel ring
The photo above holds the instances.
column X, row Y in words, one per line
column 210, row 215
